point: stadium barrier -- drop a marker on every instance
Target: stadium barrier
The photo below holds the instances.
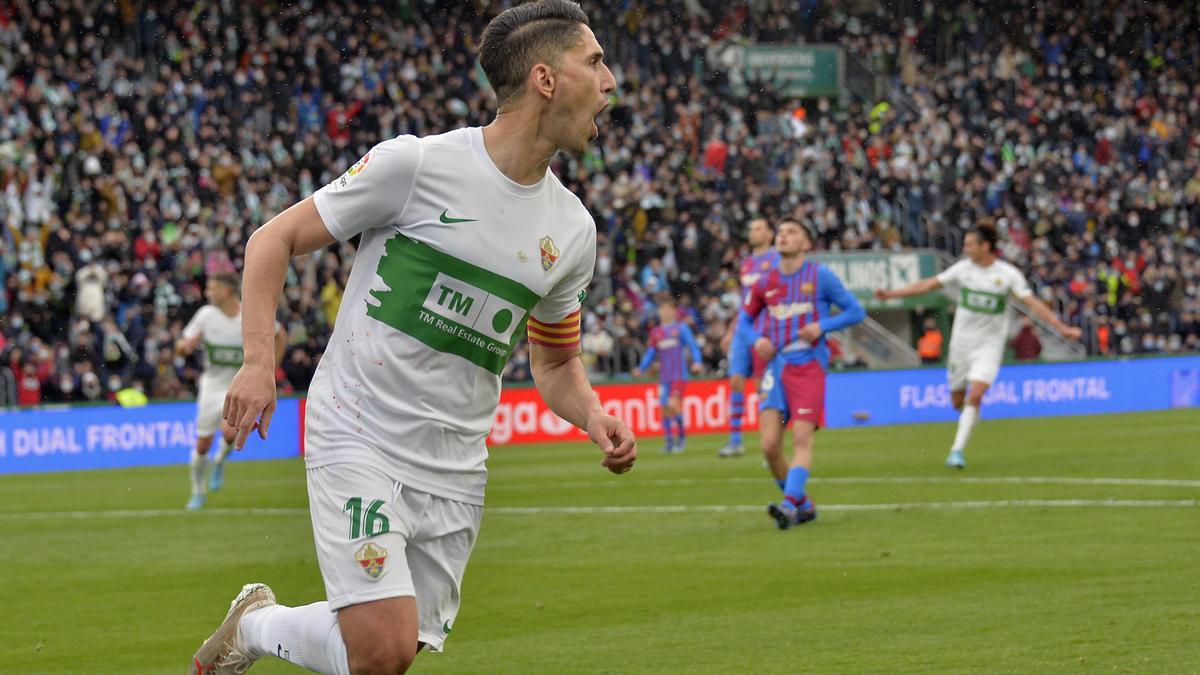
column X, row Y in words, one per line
column 162, row 433
column 887, row 397
column 102, row 437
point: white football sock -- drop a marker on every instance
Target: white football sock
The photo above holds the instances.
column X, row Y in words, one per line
column 966, row 422
column 307, row 636
column 199, row 467
column 223, row 449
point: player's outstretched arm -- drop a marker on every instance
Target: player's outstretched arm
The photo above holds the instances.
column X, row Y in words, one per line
column 563, row 385
column 916, row 288
column 250, row 401
column 1043, row 312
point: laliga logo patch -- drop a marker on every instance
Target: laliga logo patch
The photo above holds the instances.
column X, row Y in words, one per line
column 549, row 253
column 344, row 181
column 360, row 165
column 371, row 558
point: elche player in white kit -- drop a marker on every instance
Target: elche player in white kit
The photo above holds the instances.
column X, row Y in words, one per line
column 985, row 285
column 217, row 327
column 466, row 237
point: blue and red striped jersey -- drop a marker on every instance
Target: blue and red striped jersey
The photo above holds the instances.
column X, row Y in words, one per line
column 753, row 268
column 791, row 301
column 667, row 343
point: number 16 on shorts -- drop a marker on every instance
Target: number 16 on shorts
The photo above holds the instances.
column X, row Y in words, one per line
column 369, row 523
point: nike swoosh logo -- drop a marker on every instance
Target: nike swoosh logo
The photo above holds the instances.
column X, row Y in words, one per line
column 447, row 219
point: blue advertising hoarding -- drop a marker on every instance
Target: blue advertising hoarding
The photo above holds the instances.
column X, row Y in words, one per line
column 102, row 437
column 1032, row 390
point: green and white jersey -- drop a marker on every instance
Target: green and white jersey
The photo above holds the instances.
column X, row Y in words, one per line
column 983, row 293
column 454, row 258
column 221, row 339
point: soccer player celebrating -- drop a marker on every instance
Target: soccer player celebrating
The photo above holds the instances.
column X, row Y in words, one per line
column 981, row 325
column 464, row 236
column 795, row 298
column 739, row 345
column 217, row 326
column 667, row 343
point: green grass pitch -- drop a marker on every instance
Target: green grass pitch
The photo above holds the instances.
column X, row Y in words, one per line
column 1068, row 544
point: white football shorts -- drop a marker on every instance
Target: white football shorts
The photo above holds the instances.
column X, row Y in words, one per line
column 377, row 538
column 973, row 364
column 210, row 400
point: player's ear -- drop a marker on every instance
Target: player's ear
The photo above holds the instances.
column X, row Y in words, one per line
column 541, row 80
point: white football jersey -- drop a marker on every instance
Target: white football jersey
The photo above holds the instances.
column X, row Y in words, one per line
column 454, row 259
column 984, row 316
column 221, row 337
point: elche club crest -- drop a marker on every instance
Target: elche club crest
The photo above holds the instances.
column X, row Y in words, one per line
column 550, row 253
column 371, row 558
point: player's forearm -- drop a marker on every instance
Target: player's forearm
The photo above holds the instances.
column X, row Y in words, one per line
column 564, row 387
column 262, row 283
column 1042, row 311
column 852, row 313
column 916, row 288
column 647, row 359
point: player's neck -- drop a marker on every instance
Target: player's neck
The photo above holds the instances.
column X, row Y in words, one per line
column 516, row 148
column 985, row 261
column 230, row 308
column 760, row 250
column 790, row 264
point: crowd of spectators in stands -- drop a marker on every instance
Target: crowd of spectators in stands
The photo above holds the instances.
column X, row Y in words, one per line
column 138, row 151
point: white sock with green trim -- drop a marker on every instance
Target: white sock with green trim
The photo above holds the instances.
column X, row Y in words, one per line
column 307, row 636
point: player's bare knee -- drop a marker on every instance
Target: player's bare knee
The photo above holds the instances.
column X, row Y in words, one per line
column 737, row 382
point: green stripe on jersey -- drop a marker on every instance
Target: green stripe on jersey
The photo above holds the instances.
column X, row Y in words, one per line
column 983, row 302
column 224, row 355
column 450, row 305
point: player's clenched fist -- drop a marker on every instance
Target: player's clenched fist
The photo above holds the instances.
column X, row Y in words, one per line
column 765, row 349
column 250, row 402
column 615, row 440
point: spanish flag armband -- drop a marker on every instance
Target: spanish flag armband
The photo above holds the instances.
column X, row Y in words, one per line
column 561, row 335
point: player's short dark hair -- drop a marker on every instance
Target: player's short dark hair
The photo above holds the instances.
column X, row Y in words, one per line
column 986, row 233
column 522, row 36
column 229, row 279
column 808, row 229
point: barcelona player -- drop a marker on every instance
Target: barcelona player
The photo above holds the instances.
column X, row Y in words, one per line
column 668, row 342
column 739, row 345
column 796, row 299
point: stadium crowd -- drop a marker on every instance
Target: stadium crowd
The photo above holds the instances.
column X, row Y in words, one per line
column 139, row 150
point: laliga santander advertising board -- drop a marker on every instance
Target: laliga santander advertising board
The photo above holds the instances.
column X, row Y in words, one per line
column 862, row 398
column 97, row 437
column 523, row 417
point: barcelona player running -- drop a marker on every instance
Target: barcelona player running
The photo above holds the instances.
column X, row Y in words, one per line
column 667, row 343
column 739, row 345
column 796, row 299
